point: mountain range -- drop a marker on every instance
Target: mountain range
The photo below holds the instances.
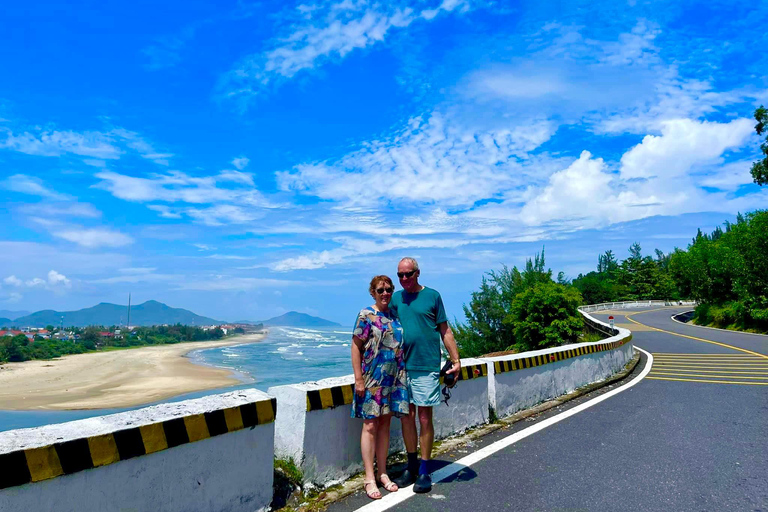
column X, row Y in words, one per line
column 296, row 319
column 151, row 312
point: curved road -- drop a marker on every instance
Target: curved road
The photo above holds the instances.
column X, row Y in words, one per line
column 691, row 436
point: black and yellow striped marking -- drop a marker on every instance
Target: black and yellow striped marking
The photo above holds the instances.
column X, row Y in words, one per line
column 529, row 362
column 473, row 371
column 328, row 398
column 744, row 369
column 36, row 464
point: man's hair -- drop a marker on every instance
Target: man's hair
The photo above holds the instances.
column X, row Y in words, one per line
column 412, row 261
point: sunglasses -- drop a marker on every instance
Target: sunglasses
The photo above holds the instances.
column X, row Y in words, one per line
column 406, row 274
column 382, row 290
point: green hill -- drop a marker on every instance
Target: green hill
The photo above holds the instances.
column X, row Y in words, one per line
column 148, row 313
column 296, row 319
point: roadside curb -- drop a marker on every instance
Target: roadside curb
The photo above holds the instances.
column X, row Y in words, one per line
column 713, row 328
column 354, row 484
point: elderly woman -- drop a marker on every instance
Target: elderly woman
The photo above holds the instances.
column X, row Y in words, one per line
column 380, row 381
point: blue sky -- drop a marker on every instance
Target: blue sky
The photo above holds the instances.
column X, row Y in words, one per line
column 246, row 159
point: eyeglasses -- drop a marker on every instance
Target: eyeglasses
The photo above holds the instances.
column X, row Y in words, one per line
column 406, row 274
column 382, row 290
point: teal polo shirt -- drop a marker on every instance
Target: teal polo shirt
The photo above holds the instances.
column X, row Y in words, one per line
column 419, row 314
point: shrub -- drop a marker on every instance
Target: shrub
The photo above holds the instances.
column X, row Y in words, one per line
column 546, row 315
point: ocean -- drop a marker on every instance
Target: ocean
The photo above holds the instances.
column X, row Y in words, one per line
column 286, row 356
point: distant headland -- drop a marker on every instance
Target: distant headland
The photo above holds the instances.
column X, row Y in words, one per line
column 149, row 313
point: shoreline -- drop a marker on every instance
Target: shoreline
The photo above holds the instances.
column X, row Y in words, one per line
column 114, row 379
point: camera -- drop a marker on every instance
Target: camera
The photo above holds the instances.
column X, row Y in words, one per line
column 448, row 378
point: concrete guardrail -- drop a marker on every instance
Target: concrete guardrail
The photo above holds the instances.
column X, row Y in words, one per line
column 631, row 304
column 211, row 453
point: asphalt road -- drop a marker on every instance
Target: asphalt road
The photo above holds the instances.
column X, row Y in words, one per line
column 675, row 441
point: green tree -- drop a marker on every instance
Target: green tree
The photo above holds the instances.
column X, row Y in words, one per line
column 546, row 315
column 759, row 169
column 486, row 330
column 15, row 348
column 91, row 337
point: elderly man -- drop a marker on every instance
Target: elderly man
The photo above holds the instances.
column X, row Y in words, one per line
column 422, row 315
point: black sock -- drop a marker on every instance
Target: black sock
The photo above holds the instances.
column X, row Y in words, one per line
column 413, row 462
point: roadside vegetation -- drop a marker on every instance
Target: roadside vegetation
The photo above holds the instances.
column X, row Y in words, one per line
column 94, row 338
column 726, row 272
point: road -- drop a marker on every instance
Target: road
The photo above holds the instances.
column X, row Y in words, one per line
column 691, row 436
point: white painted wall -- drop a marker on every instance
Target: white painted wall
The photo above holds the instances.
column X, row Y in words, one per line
column 520, row 389
column 467, row 407
column 325, row 444
column 231, row 472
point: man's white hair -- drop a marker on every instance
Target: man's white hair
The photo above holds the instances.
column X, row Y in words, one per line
column 412, row 261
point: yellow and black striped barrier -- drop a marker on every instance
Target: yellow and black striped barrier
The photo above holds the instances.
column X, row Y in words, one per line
column 530, row 362
column 328, row 398
column 36, row 464
column 472, row 371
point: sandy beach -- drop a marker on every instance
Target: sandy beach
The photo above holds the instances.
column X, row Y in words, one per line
column 120, row 378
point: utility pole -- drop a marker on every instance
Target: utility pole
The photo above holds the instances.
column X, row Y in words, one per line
column 129, row 311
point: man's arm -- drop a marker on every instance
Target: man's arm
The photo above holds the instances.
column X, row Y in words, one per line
column 450, row 344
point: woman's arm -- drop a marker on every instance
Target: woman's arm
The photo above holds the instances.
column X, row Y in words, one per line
column 357, row 364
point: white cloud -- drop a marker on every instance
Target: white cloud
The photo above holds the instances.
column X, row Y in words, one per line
column 36, row 282
column 13, row 298
column 93, row 237
column 240, row 163
column 234, row 283
column 94, row 146
column 634, row 47
column 683, row 143
column 431, row 161
column 729, row 176
column 24, row 184
column 136, row 142
column 57, row 279
column 137, row 270
column 57, row 143
column 54, row 280
column 231, row 194
column 63, row 209
column 165, row 211
column 571, row 194
column 13, row 281
column 323, row 33
column 179, row 187
column 222, row 214
column 235, row 177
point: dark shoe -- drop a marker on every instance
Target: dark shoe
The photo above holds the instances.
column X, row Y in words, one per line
column 423, row 484
column 406, row 479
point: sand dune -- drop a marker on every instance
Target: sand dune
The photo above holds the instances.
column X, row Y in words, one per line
column 120, row 378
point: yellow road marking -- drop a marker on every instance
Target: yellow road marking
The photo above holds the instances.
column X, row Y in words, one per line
column 714, row 365
column 708, row 376
column 732, row 357
column 693, row 337
column 711, row 381
column 664, row 354
column 713, row 371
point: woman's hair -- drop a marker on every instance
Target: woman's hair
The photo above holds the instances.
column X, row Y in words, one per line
column 376, row 280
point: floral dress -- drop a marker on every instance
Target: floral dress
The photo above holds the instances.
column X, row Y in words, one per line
column 383, row 366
